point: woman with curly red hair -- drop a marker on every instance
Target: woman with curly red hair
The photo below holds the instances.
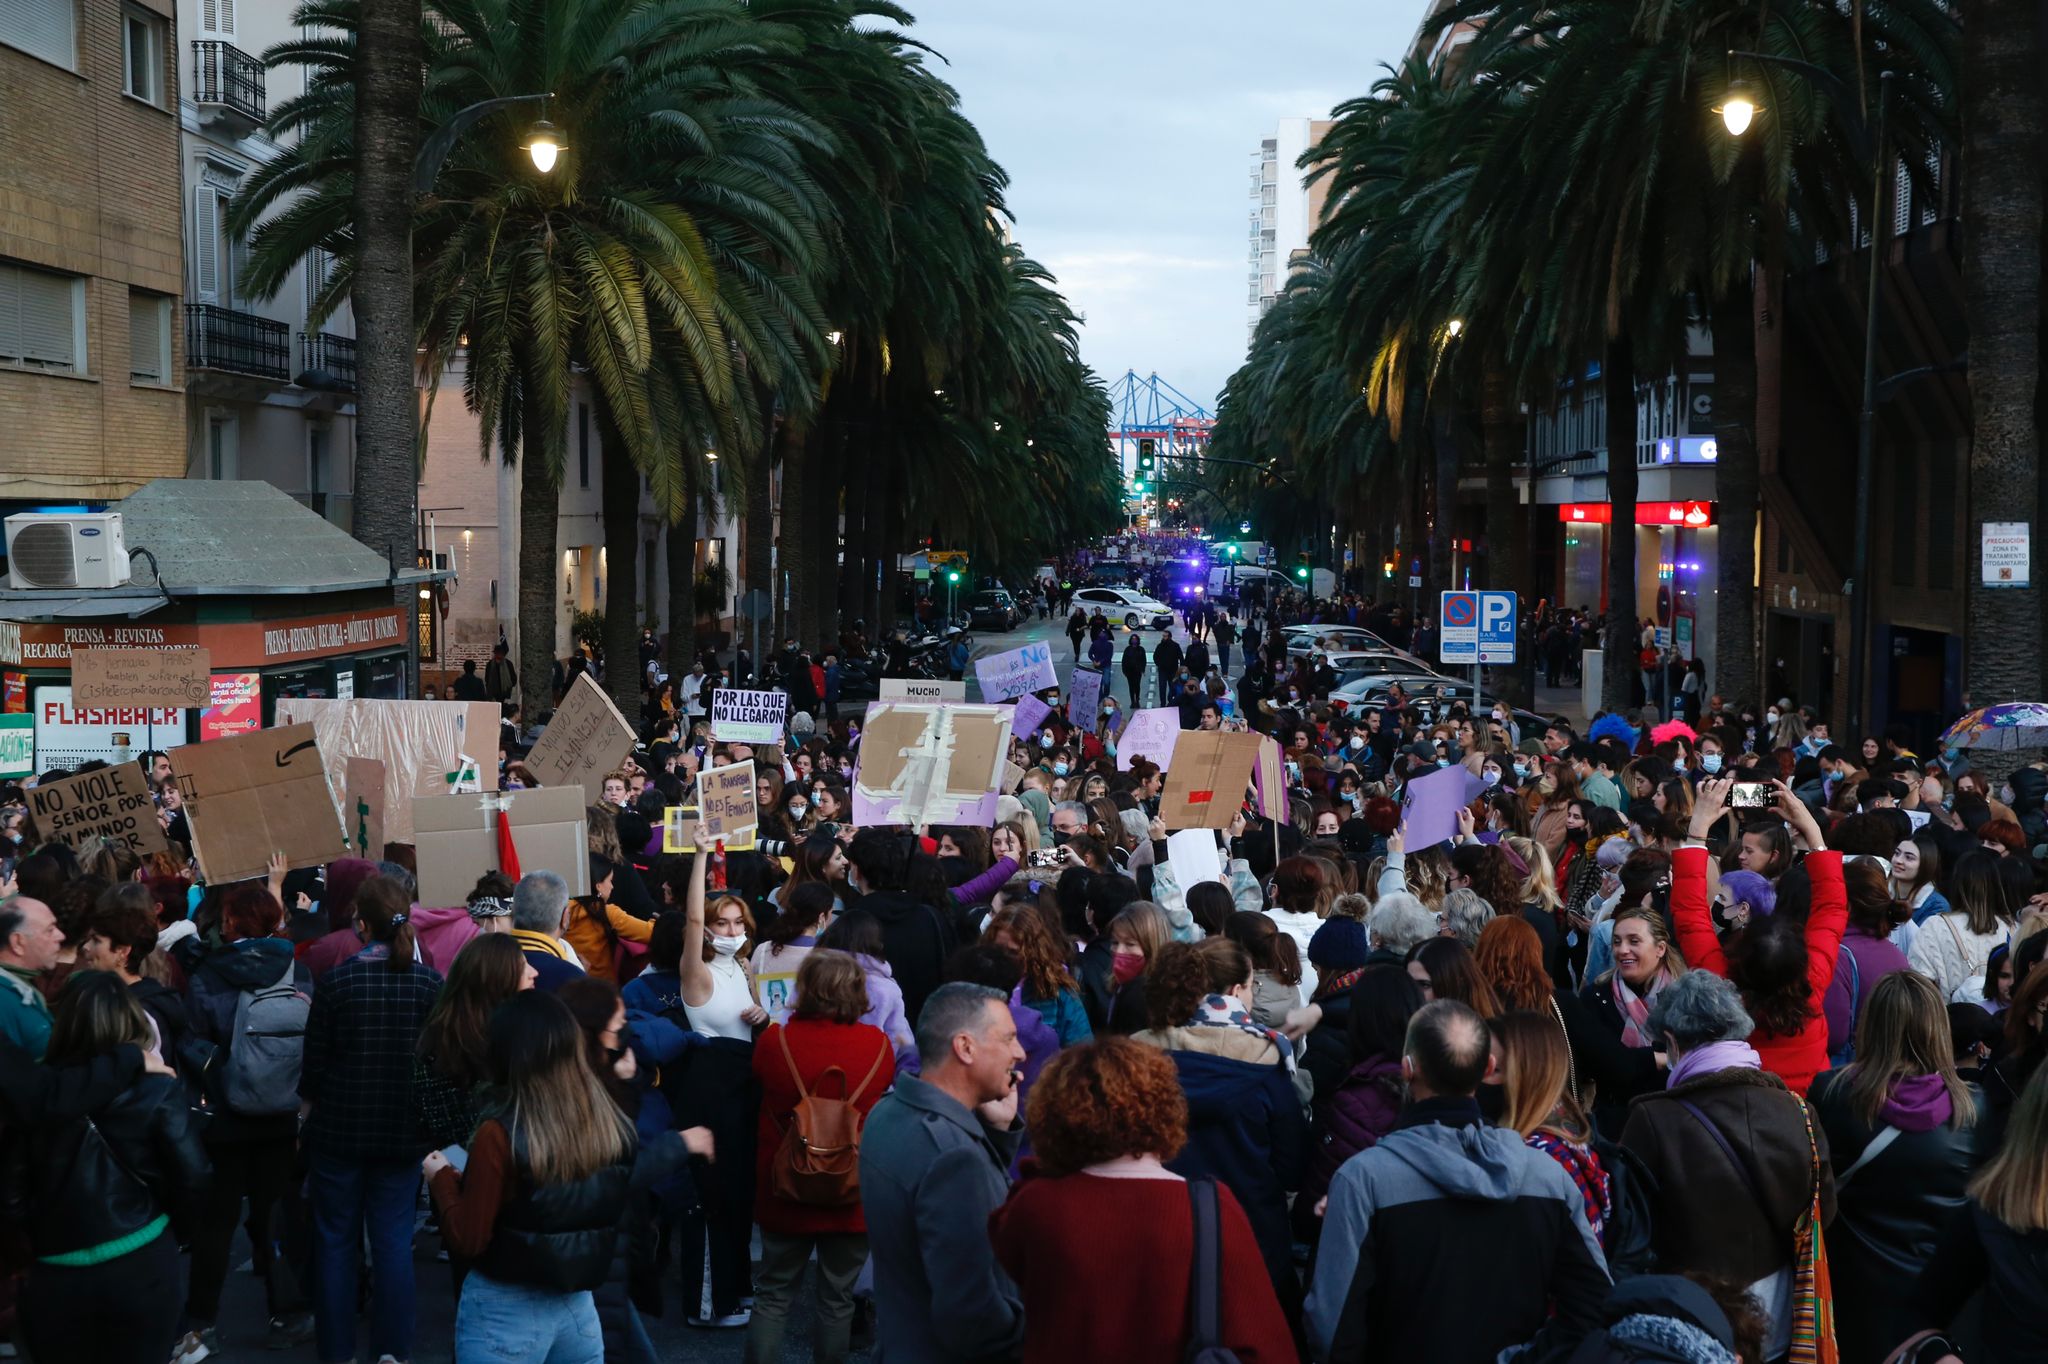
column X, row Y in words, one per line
column 1099, row 1206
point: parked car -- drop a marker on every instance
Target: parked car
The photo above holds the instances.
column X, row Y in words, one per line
column 1134, row 609
column 1301, row 639
column 1430, row 695
column 993, row 610
column 1350, row 665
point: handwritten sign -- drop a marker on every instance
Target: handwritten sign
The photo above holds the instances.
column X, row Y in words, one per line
column 362, row 807
column 1031, row 713
column 1151, row 734
column 677, row 824
column 1084, row 694
column 113, row 802
column 586, row 739
column 141, row 677
column 749, row 717
column 725, row 795
column 1004, row 677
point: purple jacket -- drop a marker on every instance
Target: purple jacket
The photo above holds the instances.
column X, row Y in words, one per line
column 987, row 884
column 1875, row 959
column 1361, row 1112
column 885, row 1009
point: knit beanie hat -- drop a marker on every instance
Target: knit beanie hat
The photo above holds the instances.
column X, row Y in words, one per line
column 1339, row 945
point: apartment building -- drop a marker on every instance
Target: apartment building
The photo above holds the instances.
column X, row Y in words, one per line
column 270, row 396
column 1285, row 209
column 92, row 363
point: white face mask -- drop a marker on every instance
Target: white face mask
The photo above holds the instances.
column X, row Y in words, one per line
column 1710, row 762
column 797, row 809
column 724, row 946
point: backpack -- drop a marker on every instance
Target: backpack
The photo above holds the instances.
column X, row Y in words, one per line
column 1847, row 1052
column 1205, row 1278
column 818, row 1163
column 1631, row 1194
column 260, row 1075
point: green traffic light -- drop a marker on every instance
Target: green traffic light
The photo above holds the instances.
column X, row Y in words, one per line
column 953, row 575
column 1302, row 572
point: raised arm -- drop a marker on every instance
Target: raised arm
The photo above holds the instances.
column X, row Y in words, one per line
column 1825, row 921
column 696, row 972
column 1691, row 923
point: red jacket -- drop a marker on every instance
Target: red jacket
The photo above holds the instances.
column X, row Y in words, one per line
column 1798, row 1058
column 1063, row 1239
column 817, row 1046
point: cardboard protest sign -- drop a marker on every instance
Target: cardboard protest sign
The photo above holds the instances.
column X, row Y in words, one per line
column 1269, row 779
column 141, row 677
column 362, row 807
column 1084, row 694
column 922, row 764
column 1431, row 814
column 1013, row 776
column 427, row 747
column 456, row 838
column 1150, row 734
column 1006, row 676
column 1030, row 714
column 113, row 802
column 678, row 824
column 725, row 795
column 1205, row 788
column 749, row 717
column 586, row 739
column 922, row 689
column 248, row 797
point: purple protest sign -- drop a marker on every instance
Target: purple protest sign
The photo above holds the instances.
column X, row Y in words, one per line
column 1151, row 734
column 1084, row 693
column 1012, row 674
column 1431, row 815
column 1031, row 713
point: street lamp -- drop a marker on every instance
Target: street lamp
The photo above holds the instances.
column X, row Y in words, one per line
column 1737, row 111
column 1869, row 143
column 543, row 144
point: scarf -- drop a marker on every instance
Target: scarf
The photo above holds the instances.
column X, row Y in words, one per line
column 1337, row 984
column 1712, row 1057
column 1225, row 1011
column 1635, row 1009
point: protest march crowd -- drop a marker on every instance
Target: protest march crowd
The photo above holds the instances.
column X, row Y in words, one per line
column 1271, row 1028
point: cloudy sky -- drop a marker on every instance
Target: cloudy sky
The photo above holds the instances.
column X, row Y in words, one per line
column 1127, row 127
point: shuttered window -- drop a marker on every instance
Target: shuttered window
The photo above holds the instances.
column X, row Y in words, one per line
column 149, row 338
column 44, row 28
column 217, row 16
column 41, row 316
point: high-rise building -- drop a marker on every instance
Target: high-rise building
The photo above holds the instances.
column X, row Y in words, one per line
column 1285, row 209
column 91, row 359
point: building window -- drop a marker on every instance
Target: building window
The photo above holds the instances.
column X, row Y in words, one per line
column 319, row 444
column 319, row 265
column 142, row 55
column 217, row 257
column 149, row 338
column 217, row 17
column 220, row 445
column 42, row 318
column 41, row 28
column 583, row 445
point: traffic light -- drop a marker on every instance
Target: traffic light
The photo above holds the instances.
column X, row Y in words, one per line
column 1301, row 572
column 1147, row 450
column 1232, row 550
column 952, row 575
column 1138, row 486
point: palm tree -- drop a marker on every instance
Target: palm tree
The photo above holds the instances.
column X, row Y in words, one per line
column 2002, row 198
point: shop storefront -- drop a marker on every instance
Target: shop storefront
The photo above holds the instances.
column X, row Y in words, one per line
column 1677, row 549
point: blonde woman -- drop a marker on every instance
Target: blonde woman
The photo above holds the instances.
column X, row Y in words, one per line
column 1536, row 1071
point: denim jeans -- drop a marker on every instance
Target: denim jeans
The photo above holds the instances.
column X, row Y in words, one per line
column 349, row 1196
column 502, row 1323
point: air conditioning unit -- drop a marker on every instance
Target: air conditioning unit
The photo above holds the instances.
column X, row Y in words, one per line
column 56, row 549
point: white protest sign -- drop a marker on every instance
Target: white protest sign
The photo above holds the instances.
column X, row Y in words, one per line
column 1084, row 693
column 749, row 717
column 1193, row 855
column 922, row 689
column 1004, row 677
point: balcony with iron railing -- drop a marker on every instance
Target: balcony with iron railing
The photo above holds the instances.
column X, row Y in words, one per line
column 328, row 354
column 233, row 342
column 225, row 78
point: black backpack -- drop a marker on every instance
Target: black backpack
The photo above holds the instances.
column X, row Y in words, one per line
column 1205, row 1281
column 1631, row 1194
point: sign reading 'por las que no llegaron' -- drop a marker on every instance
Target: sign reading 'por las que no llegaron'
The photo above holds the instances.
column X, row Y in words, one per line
column 749, row 717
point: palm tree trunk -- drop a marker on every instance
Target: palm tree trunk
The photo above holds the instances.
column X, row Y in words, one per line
column 1618, row 380
column 1443, row 539
column 1507, row 556
column 619, row 502
column 387, row 98
column 681, row 551
column 760, row 519
column 793, row 533
column 1736, row 481
column 820, row 615
column 2001, row 210
column 539, row 521
column 857, row 573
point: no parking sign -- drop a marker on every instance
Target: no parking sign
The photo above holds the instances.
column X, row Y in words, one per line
column 1477, row 627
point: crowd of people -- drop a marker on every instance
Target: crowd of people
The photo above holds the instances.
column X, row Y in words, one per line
column 1714, row 1042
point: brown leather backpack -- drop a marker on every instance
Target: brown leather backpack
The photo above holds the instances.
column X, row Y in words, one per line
column 818, row 1163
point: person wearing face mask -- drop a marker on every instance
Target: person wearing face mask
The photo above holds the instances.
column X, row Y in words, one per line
column 1245, row 1123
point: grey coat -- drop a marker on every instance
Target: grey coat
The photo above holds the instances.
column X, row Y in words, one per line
column 930, row 1174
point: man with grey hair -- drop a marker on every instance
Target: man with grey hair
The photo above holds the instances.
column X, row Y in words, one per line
column 539, row 904
column 1445, row 1187
column 1397, row 922
column 1069, row 817
column 30, row 942
column 934, row 1163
